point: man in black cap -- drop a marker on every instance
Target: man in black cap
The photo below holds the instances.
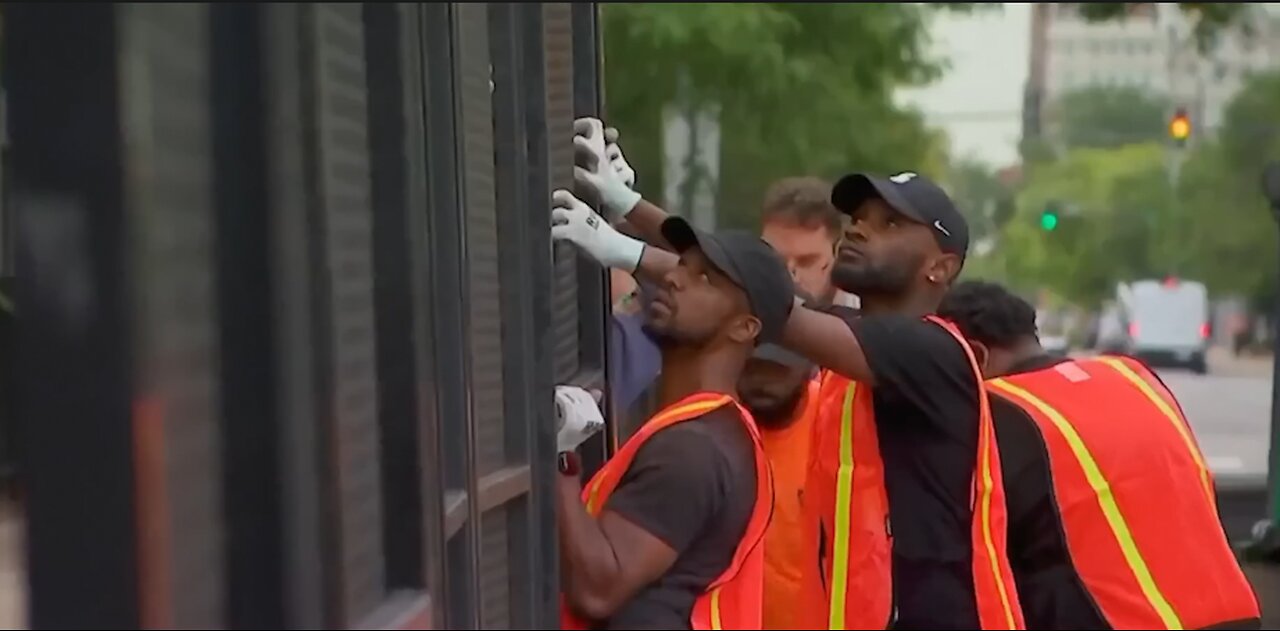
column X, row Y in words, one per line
column 692, row 486
column 905, row 244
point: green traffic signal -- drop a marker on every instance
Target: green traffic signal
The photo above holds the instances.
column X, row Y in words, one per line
column 1048, row 220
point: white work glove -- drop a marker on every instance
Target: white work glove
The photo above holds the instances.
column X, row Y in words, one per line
column 599, row 176
column 574, row 221
column 578, row 417
column 619, row 163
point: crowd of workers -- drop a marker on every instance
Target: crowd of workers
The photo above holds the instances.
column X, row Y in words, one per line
column 916, row 462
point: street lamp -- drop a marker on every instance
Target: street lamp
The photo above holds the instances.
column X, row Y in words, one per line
column 1266, row 544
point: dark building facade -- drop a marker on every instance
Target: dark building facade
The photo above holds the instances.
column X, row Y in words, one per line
column 290, row 315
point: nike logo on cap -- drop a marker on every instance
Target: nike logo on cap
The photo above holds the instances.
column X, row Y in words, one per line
column 937, row 223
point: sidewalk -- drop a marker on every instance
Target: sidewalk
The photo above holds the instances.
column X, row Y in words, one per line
column 13, row 580
column 1222, row 362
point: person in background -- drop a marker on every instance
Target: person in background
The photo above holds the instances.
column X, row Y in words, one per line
column 779, row 388
column 1113, row 522
column 798, row 220
column 634, row 358
column 668, row 534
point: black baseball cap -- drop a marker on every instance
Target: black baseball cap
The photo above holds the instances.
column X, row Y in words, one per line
column 781, row 355
column 750, row 263
column 913, row 195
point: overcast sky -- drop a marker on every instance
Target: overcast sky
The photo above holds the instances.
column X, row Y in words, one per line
column 979, row 99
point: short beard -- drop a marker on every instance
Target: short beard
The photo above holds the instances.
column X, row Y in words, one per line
column 776, row 415
column 666, row 340
column 871, row 280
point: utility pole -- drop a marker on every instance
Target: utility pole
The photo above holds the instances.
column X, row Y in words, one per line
column 1266, row 544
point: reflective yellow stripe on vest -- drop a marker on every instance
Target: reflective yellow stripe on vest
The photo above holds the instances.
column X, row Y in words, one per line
column 988, row 486
column 844, row 495
column 691, row 408
column 715, row 609
column 1102, row 489
column 1169, row 413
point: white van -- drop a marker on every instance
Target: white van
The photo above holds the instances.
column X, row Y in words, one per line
column 1168, row 322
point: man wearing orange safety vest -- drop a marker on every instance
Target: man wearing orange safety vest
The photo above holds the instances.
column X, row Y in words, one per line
column 904, row 498
column 779, row 389
column 1113, row 522
column 904, row 494
column 669, row 534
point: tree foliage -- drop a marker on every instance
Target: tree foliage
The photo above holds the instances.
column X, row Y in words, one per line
column 1106, row 116
column 1131, row 220
column 801, row 88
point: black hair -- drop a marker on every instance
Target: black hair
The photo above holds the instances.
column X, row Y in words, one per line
column 988, row 313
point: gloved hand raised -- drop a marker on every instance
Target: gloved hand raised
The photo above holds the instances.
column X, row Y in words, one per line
column 614, row 153
column 595, row 171
column 574, row 221
column 578, row 417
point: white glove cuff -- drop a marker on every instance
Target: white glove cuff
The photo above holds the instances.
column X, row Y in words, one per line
column 620, row 251
column 619, row 200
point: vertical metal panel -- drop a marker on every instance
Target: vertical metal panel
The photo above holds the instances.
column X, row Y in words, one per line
column 342, row 173
column 495, row 575
column 475, row 124
column 397, row 361
column 168, row 173
column 557, row 20
column 422, row 189
column 448, row 299
column 521, row 159
column 250, row 426
column 75, row 382
column 292, row 200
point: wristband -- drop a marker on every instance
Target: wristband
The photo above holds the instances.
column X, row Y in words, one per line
column 567, row 463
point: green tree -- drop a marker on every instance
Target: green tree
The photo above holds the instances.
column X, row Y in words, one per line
column 1228, row 237
column 1112, row 201
column 1103, row 117
column 801, row 88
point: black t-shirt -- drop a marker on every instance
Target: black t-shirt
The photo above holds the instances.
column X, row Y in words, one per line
column 926, row 408
column 692, row 485
column 1051, row 592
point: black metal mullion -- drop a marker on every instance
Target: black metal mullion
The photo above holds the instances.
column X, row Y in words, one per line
column 461, row 598
column 75, row 349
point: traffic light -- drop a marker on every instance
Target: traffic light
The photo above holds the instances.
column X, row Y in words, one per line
column 1180, row 127
column 1049, row 217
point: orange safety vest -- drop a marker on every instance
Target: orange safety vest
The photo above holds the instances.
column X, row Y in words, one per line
column 732, row 600
column 784, row 551
column 850, row 583
column 1135, row 499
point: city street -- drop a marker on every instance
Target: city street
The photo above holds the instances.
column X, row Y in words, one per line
column 1229, row 409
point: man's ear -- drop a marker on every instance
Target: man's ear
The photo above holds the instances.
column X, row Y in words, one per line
column 944, row 269
column 745, row 329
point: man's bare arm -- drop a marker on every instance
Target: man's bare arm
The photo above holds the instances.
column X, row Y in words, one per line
column 827, row 341
column 645, row 219
column 603, row 562
column 656, row 263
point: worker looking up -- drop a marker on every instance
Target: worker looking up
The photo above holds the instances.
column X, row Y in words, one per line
column 903, row 441
column 778, row 387
column 668, row 534
column 1112, row 518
